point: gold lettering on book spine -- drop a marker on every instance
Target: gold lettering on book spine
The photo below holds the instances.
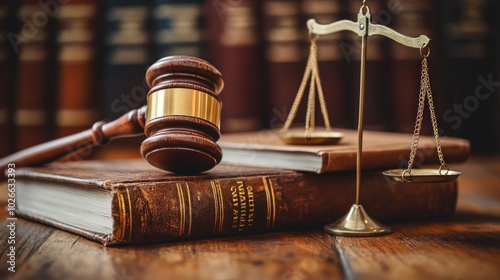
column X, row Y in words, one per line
column 271, row 203
column 218, row 206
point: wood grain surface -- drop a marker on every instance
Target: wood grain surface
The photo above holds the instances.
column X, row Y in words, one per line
column 466, row 246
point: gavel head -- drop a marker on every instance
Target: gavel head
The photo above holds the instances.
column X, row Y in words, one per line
column 183, row 115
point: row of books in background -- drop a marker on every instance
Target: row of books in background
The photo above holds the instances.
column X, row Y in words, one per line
column 66, row 64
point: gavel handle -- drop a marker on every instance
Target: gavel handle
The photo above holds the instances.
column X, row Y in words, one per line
column 130, row 124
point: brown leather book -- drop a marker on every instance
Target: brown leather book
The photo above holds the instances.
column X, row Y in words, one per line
column 380, row 150
column 128, row 201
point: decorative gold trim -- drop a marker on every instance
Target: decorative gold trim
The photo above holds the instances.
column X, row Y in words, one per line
column 129, row 215
column 182, row 209
column 184, row 102
column 188, row 193
column 218, row 206
column 123, row 216
column 271, row 203
column 221, row 203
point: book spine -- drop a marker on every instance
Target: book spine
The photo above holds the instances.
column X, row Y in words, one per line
column 414, row 19
column 495, row 114
column 127, row 46
column 235, row 49
column 33, row 42
column 77, row 39
column 178, row 28
column 7, row 56
column 256, row 203
column 285, row 56
column 469, row 28
column 427, row 155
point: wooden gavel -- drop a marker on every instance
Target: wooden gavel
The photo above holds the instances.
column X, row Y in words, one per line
column 181, row 121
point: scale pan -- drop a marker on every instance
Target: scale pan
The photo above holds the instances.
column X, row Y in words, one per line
column 313, row 138
column 422, row 176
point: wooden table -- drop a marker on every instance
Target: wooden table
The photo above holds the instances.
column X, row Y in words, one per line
column 464, row 247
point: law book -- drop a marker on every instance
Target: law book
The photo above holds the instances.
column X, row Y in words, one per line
column 128, row 201
column 380, row 150
column 285, row 58
column 471, row 78
column 77, row 75
column 235, row 48
column 179, row 28
column 127, row 53
column 414, row 18
column 34, row 43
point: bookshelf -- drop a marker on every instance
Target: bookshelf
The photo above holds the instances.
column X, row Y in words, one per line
column 467, row 56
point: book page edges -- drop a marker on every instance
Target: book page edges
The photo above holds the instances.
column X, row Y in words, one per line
column 340, row 159
column 105, row 239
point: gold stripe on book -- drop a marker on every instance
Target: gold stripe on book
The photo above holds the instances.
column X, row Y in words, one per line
column 221, row 209
column 188, row 193
column 271, row 203
column 129, row 212
column 123, row 216
column 218, row 206
column 182, row 209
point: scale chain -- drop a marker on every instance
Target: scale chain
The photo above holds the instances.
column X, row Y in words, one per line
column 425, row 91
column 311, row 71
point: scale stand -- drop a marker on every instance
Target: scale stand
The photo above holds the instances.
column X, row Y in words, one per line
column 357, row 222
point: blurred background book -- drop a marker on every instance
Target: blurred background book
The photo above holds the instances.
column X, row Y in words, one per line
column 65, row 66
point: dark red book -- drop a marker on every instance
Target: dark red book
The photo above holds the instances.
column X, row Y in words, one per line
column 78, row 96
column 286, row 56
column 416, row 18
column 234, row 43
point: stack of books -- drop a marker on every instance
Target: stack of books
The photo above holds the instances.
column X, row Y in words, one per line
column 128, row 201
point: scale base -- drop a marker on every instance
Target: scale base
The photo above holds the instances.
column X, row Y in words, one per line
column 356, row 223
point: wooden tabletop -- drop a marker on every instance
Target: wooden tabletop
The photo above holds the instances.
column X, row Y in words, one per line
column 466, row 246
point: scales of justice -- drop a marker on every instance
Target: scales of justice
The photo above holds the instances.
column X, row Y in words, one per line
column 357, row 222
